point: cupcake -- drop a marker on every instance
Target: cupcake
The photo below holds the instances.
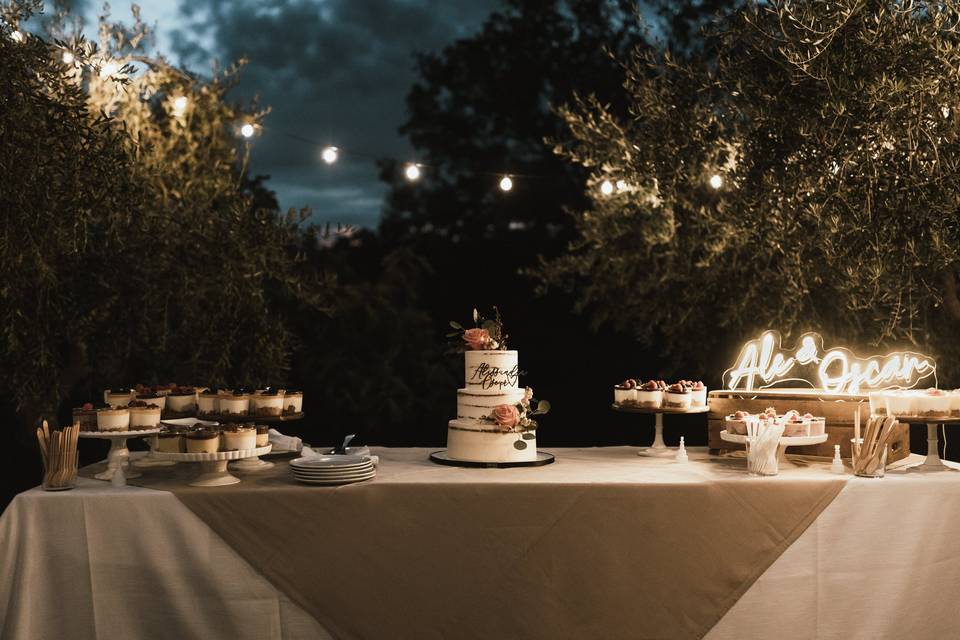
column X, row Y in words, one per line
column 625, row 392
column 86, row 417
column 238, row 437
column 267, row 402
column 263, row 435
column 182, row 401
column 208, row 402
column 170, row 441
column 901, row 403
column 111, row 419
column 234, row 404
column 796, row 425
column 292, row 401
column 649, row 394
column 202, row 441
column 698, row 393
column 736, row 423
column 118, row 397
column 143, row 415
column 818, row 424
column 933, row 402
column 676, row 396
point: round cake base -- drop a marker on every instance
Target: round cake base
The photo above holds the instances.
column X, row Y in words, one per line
column 441, row 457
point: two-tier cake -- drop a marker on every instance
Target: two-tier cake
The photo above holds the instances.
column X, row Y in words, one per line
column 493, row 422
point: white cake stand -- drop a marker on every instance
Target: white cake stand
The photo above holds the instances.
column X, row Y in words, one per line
column 213, row 466
column 151, row 460
column 658, row 448
column 932, row 462
column 119, row 455
column 251, row 464
column 785, row 441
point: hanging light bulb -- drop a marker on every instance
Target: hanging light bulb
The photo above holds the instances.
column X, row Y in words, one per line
column 716, row 181
column 606, row 188
column 68, row 57
column 180, row 105
column 506, row 183
column 412, row 172
column 247, row 130
column 330, row 154
column 17, row 35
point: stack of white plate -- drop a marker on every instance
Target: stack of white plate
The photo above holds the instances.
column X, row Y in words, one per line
column 331, row 470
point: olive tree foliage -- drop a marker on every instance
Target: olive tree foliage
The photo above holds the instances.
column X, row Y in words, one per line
column 130, row 247
column 833, row 128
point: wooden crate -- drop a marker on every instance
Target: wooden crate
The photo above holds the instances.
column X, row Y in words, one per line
column 839, row 411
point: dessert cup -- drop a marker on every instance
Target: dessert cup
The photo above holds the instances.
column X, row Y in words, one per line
column 676, row 399
column 118, row 398
column 901, row 403
column 263, row 435
column 878, row 403
column 155, row 399
column 113, row 419
column 235, row 404
column 208, row 403
column 238, row 438
column 202, row 441
column 144, row 417
column 292, row 401
column 182, row 402
column 86, row 418
column 933, row 402
column 622, row 395
column 647, row 398
column 267, row 404
column 170, row 442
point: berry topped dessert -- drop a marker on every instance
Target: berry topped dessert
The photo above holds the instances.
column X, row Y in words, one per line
column 86, row 417
column 650, row 394
column 625, row 392
column 736, row 423
column 676, row 396
column 698, row 392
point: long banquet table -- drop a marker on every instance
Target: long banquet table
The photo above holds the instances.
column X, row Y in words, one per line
column 602, row 543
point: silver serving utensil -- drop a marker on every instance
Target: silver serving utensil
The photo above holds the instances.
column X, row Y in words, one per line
column 342, row 449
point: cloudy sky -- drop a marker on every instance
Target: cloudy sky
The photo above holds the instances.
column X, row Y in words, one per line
column 334, row 72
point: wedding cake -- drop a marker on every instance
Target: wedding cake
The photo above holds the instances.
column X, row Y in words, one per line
column 493, row 422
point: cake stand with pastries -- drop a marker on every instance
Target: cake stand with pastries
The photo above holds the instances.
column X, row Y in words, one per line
column 119, row 456
column 785, row 441
column 213, row 466
column 658, row 448
column 150, row 460
column 255, row 463
column 932, row 462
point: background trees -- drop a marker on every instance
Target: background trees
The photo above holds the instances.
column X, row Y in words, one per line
column 833, row 129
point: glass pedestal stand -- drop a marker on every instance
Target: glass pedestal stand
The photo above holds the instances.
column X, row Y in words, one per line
column 119, row 456
column 785, row 441
column 932, row 463
column 658, row 448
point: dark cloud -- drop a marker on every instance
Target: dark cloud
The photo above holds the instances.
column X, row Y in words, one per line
column 334, row 72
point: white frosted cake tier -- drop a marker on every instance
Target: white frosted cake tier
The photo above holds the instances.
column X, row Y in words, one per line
column 468, row 442
column 473, row 406
column 494, row 371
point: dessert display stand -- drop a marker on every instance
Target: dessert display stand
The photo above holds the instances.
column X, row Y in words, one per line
column 150, row 460
column 119, row 455
column 254, row 463
column 213, row 466
column 658, row 448
column 932, row 463
column 785, row 441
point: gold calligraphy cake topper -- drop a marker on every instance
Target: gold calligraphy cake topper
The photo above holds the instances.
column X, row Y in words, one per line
column 764, row 363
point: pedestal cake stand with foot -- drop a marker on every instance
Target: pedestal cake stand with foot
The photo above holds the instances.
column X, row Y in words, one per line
column 119, row 455
column 658, row 448
column 213, row 466
column 932, row 462
column 785, row 441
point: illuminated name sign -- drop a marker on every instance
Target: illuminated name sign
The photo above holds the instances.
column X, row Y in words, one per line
column 764, row 363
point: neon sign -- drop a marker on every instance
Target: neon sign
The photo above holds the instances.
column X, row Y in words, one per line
column 764, row 363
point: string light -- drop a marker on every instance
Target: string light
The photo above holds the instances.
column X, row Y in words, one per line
column 68, row 57
column 180, row 105
column 716, row 181
column 17, row 36
column 621, row 185
column 247, row 130
column 330, row 154
column 108, row 69
column 606, row 188
column 506, row 183
column 412, row 172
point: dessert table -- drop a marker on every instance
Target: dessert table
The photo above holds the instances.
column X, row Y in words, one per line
column 600, row 544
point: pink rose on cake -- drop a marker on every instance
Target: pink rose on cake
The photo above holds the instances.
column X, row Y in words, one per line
column 506, row 415
column 477, row 339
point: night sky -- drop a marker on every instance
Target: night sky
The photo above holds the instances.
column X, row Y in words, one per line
column 333, row 71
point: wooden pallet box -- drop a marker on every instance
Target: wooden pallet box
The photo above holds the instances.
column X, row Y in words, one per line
column 839, row 411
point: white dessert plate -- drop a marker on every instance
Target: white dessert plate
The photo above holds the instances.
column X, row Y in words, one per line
column 362, row 467
column 330, row 482
column 333, row 475
column 330, row 462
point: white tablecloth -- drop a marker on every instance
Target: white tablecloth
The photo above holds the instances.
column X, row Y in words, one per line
column 882, row 561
